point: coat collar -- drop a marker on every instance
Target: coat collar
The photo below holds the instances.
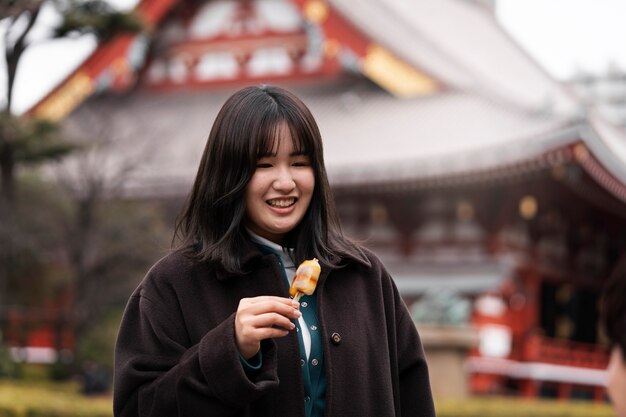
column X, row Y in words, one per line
column 254, row 258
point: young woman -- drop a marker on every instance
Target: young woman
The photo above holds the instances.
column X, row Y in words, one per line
column 211, row 330
column 614, row 323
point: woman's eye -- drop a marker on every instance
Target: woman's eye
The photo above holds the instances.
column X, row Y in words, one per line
column 301, row 164
column 263, row 165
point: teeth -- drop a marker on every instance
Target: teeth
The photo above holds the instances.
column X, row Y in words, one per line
column 281, row 203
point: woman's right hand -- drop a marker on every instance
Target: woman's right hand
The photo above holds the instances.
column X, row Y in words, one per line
column 263, row 317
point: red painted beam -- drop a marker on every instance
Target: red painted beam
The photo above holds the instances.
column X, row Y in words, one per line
column 79, row 85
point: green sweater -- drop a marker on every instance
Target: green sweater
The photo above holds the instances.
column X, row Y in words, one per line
column 312, row 366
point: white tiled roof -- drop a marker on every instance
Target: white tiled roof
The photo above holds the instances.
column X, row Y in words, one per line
column 462, row 44
column 376, row 136
column 499, row 109
column 368, row 135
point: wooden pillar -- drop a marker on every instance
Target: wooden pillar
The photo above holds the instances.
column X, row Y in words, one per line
column 529, row 388
column 532, row 285
column 599, row 394
column 564, row 391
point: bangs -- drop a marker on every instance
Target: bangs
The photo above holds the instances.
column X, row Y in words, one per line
column 271, row 132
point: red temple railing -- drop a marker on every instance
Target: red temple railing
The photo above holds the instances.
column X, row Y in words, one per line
column 564, row 352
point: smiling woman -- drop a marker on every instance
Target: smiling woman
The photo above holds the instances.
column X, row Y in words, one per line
column 264, row 150
column 280, row 190
column 211, row 330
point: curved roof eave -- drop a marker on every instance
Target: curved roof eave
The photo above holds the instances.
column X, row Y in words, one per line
column 483, row 165
column 370, row 137
column 607, row 143
column 464, row 46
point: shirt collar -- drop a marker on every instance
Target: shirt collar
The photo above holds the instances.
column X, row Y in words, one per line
column 277, row 249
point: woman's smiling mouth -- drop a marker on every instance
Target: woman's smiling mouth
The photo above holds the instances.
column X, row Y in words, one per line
column 281, row 202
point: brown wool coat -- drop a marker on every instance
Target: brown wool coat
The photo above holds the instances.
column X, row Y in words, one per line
column 176, row 352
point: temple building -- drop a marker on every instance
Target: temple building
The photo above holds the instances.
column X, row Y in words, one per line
column 450, row 151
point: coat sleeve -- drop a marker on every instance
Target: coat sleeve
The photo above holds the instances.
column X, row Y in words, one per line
column 414, row 383
column 415, row 395
column 158, row 374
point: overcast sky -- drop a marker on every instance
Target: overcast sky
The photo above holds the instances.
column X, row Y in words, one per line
column 564, row 36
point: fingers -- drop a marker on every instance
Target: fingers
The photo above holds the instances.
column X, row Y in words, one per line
column 266, row 298
column 258, row 307
column 265, row 320
column 263, row 317
column 264, row 327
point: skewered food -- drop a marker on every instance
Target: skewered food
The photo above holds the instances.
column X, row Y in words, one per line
column 305, row 280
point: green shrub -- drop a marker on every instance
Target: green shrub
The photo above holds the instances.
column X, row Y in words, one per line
column 30, row 399
column 9, row 413
column 97, row 344
column 515, row 407
column 38, row 399
column 8, row 368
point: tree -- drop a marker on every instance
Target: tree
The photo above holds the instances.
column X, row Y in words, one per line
column 26, row 141
column 80, row 245
column 110, row 240
column 30, row 142
column 19, row 18
column 80, row 250
column 78, row 17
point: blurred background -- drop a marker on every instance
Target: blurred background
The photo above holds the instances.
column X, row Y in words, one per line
column 477, row 146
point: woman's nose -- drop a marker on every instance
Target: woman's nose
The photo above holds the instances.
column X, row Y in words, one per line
column 284, row 181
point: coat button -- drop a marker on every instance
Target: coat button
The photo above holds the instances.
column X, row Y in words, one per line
column 335, row 338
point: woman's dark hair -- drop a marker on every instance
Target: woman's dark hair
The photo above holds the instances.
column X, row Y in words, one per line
column 613, row 306
column 211, row 225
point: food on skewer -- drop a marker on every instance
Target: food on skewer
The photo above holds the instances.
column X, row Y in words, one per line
column 305, row 280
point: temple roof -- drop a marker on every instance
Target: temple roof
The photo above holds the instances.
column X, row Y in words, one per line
column 371, row 139
column 460, row 43
column 449, row 44
column 495, row 112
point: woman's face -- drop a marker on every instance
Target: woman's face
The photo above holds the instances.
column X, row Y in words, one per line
column 280, row 190
column 616, row 381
